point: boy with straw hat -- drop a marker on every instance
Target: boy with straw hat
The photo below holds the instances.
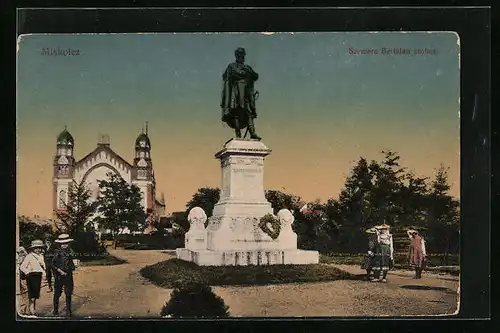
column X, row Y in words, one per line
column 33, row 266
column 63, row 267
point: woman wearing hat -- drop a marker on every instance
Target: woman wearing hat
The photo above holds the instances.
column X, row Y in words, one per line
column 370, row 256
column 63, row 267
column 33, row 267
column 417, row 252
column 385, row 253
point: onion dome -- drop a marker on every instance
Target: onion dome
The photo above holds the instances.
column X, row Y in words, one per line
column 142, row 141
column 65, row 138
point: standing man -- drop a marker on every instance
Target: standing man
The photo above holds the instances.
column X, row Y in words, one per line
column 238, row 95
column 417, row 252
column 63, row 267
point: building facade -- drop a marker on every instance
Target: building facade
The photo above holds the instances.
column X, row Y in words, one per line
column 94, row 167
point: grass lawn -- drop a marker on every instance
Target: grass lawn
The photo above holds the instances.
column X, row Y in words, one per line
column 341, row 260
column 103, row 261
column 434, row 262
column 174, row 272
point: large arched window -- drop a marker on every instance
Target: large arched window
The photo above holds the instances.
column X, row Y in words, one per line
column 62, row 198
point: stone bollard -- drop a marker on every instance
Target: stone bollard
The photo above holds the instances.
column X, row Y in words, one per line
column 196, row 237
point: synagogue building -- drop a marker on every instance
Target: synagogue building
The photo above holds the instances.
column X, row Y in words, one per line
column 96, row 164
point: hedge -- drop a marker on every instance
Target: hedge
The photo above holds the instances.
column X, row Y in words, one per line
column 157, row 241
column 176, row 273
column 107, row 260
column 400, row 259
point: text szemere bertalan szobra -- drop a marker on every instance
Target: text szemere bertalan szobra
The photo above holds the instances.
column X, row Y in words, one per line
column 392, row 51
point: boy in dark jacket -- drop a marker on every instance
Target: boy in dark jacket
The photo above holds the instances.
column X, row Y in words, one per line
column 63, row 267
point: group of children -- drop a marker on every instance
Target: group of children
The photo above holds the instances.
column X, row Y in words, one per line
column 56, row 262
column 380, row 257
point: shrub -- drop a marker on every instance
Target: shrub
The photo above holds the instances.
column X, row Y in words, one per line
column 155, row 240
column 106, row 237
column 195, row 300
column 107, row 260
column 175, row 273
column 86, row 246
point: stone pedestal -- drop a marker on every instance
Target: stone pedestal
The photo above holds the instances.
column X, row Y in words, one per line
column 233, row 235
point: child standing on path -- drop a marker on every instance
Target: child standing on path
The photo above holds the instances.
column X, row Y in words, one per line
column 33, row 267
column 63, row 267
column 370, row 256
column 49, row 254
column 417, row 252
column 385, row 253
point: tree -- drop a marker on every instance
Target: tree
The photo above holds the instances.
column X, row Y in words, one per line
column 119, row 206
column 205, row 198
column 76, row 216
column 180, row 224
column 29, row 231
column 358, row 205
column 307, row 224
column 280, row 200
column 329, row 228
column 388, row 179
column 444, row 216
column 414, row 198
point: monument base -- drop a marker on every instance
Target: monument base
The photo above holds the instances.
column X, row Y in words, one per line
column 234, row 234
column 245, row 258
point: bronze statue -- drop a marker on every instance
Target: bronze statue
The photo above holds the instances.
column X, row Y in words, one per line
column 239, row 95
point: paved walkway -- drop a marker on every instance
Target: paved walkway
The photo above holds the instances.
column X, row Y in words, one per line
column 120, row 291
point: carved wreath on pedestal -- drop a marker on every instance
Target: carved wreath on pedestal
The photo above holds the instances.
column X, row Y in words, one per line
column 275, row 223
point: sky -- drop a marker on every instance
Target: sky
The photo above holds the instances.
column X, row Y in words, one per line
column 320, row 107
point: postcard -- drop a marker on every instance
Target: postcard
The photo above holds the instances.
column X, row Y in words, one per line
column 219, row 175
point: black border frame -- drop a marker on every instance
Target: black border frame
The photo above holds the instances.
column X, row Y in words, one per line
column 474, row 28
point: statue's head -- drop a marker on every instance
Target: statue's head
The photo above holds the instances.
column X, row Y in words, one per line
column 286, row 217
column 240, row 53
column 197, row 217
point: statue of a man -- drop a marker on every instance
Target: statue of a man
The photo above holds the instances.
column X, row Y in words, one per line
column 238, row 95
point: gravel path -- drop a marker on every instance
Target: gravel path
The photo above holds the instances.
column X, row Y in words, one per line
column 113, row 291
column 400, row 296
column 120, row 291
